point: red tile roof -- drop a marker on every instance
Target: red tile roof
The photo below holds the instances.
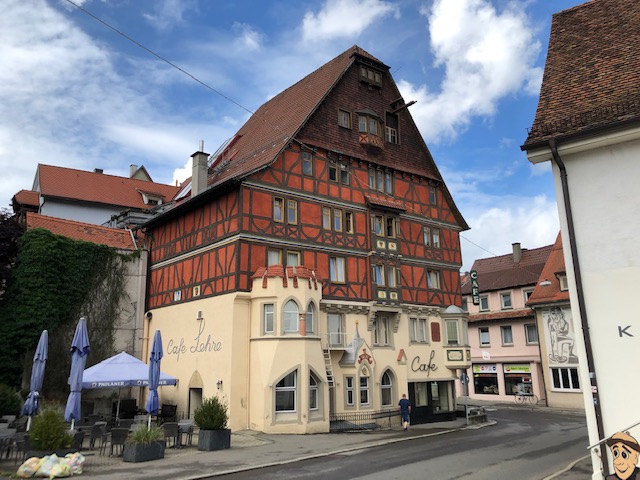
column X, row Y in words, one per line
column 293, row 274
column 549, row 293
column 386, row 202
column 87, row 232
column 28, row 198
column 592, row 72
column 497, row 273
column 503, row 315
column 100, row 188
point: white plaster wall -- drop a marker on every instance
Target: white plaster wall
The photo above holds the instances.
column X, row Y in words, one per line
column 81, row 212
column 603, row 190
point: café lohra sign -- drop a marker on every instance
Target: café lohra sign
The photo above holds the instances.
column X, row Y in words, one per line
column 418, row 366
column 198, row 345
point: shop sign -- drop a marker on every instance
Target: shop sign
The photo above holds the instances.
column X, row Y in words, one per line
column 199, row 344
column 489, row 368
column 416, row 366
column 517, row 369
column 475, row 291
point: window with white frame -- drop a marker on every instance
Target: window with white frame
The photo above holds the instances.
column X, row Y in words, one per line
column 337, row 220
column 484, row 303
column 507, row 335
column 310, row 319
column 433, row 279
column 386, row 390
column 278, row 209
column 291, row 317
column 307, row 163
column 453, row 334
column 418, row 330
column 564, row 283
column 274, row 256
column 505, row 300
column 376, row 224
column 526, row 293
column 293, row 258
column 268, row 317
column 336, row 330
column 485, row 339
column 393, row 277
column 531, row 334
column 364, row 390
column 349, row 391
column 292, row 211
column 348, row 222
column 286, row 393
column 381, row 334
column 336, row 269
column 391, row 227
column 565, row 378
column 326, row 218
column 431, row 236
column 433, row 195
column 344, row 118
column 378, row 274
column 313, row 392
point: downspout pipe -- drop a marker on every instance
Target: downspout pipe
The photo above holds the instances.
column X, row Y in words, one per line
column 553, row 146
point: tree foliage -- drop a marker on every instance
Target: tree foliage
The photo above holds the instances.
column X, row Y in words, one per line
column 10, row 232
column 54, row 282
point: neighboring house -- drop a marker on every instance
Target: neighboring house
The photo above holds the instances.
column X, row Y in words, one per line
column 129, row 329
column 311, row 269
column 588, row 126
column 550, row 300
column 93, row 197
column 502, row 330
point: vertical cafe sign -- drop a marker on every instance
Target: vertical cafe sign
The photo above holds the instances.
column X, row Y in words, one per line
column 475, row 291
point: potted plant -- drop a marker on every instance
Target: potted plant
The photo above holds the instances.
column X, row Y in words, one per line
column 144, row 444
column 212, row 417
column 49, row 434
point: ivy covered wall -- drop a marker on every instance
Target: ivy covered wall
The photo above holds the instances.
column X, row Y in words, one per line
column 54, row 282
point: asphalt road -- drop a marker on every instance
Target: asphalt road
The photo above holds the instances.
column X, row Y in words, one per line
column 523, row 445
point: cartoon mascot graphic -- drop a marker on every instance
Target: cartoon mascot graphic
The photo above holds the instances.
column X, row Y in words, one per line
column 624, row 449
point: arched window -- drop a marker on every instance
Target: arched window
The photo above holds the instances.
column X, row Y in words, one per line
column 290, row 316
column 313, row 392
column 310, row 319
column 286, row 393
column 386, row 387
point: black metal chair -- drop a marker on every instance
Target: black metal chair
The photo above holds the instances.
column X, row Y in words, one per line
column 98, row 432
column 125, row 423
column 23, row 445
column 172, row 433
column 186, row 428
column 78, row 440
column 168, row 413
column 118, row 438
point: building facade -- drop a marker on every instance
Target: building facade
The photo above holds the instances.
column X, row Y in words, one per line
column 588, row 126
column 503, row 335
column 310, row 268
column 558, row 349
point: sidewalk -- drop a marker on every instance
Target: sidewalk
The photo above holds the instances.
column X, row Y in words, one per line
column 252, row 450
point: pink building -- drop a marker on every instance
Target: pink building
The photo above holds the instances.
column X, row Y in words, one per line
column 503, row 335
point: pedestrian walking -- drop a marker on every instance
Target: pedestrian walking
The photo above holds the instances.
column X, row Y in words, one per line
column 405, row 410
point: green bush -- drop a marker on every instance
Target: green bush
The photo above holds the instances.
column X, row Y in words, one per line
column 48, row 431
column 10, row 401
column 146, row 436
column 212, row 415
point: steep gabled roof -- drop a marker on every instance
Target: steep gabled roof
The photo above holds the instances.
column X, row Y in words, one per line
column 548, row 288
column 498, row 273
column 276, row 122
column 116, row 238
column 592, row 72
column 81, row 185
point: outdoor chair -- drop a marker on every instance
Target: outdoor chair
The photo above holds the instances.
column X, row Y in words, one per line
column 78, row 439
column 118, row 437
column 186, row 428
column 93, row 418
column 23, row 445
column 98, row 432
column 125, row 423
column 172, row 432
column 167, row 413
column 6, row 445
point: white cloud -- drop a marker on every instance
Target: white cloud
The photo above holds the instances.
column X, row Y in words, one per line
column 168, row 13
column 486, row 55
column 344, row 19
column 248, row 38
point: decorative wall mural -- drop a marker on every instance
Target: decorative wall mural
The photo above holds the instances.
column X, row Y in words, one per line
column 559, row 336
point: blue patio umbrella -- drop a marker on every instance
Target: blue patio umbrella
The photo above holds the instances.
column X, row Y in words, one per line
column 32, row 404
column 79, row 351
column 154, row 375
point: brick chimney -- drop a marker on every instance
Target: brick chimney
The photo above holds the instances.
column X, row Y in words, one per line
column 517, row 252
column 200, row 170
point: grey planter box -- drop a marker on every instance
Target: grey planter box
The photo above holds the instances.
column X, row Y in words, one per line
column 138, row 452
column 209, row 440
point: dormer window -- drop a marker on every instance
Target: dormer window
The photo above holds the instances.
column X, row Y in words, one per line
column 562, row 278
column 370, row 76
column 151, row 199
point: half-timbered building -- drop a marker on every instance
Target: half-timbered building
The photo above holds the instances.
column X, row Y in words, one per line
column 310, row 268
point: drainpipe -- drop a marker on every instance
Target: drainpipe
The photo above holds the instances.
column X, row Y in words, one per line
column 581, row 304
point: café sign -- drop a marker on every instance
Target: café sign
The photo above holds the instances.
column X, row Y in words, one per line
column 418, row 366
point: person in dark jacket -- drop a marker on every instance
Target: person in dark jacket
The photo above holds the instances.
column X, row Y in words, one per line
column 405, row 410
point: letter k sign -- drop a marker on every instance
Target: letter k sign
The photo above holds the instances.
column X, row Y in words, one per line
column 623, row 331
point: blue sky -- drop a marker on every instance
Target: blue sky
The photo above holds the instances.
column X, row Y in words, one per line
column 75, row 93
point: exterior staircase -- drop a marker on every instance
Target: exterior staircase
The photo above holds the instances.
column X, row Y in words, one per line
column 328, row 367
